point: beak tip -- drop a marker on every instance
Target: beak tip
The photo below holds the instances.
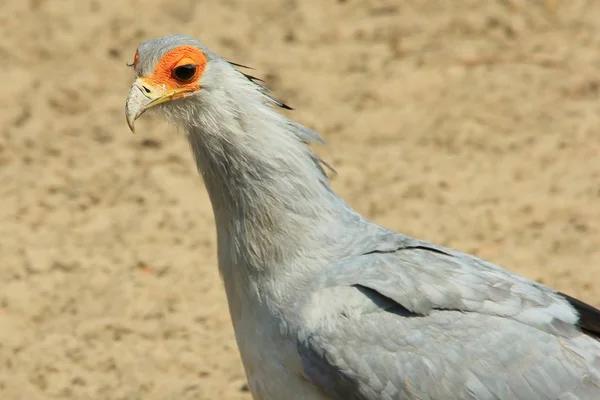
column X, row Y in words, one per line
column 131, row 125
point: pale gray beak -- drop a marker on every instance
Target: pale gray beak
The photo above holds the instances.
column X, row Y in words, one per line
column 142, row 96
column 137, row 103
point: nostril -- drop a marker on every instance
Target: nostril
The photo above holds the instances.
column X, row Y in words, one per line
column 145, row 89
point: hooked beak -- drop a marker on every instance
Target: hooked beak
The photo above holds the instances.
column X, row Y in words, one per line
column 143, row 96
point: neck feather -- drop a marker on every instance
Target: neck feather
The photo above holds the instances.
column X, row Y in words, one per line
column 271, row 198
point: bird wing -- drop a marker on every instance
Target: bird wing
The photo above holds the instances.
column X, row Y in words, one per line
column 425, row 322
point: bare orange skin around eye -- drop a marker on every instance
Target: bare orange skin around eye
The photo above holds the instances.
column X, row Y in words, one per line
column 163, row 73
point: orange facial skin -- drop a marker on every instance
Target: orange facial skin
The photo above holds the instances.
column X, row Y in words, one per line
column 136, row 58
column 163, row 76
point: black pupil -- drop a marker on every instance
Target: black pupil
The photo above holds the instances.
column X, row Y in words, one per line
column 185, row 72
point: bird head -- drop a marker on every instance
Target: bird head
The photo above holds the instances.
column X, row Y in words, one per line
column 170, row 70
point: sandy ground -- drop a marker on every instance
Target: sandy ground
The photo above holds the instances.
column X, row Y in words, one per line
column 468, row 123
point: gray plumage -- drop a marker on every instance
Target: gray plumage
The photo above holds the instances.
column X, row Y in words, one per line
column 328, row 305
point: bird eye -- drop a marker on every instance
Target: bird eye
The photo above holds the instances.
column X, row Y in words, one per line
column 184, row 72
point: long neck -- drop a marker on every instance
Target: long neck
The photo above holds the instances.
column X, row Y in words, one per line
column 270, row 197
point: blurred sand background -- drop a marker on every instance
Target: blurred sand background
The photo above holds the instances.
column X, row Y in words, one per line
column 475, row 124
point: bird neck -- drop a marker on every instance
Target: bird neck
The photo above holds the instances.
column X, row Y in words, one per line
column 270, row 197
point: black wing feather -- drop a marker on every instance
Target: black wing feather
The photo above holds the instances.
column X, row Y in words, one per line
column 589, row 316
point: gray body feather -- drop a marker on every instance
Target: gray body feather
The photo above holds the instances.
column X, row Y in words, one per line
column 436, row 326
column 327, row 305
